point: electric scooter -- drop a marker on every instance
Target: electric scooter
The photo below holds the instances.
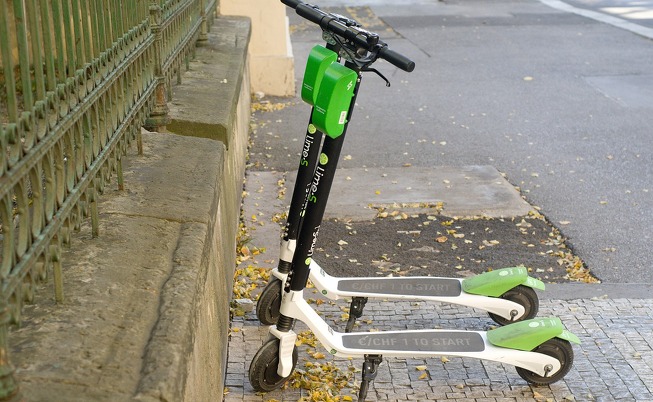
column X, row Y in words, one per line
column 539, row 348
column 507, row 294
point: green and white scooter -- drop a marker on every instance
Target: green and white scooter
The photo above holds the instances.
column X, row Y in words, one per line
column 507, row 294
column 540, row 349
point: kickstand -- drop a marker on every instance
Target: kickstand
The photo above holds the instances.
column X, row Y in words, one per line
column 355, row 311
column 370, row 367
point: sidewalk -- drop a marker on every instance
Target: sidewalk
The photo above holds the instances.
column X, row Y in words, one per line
column 614, row 361
column 511, row 84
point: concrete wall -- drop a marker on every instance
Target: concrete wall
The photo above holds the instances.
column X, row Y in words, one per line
column 271, row 58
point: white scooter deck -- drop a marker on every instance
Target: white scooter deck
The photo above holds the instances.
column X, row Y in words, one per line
column 425, row 288
column 414, row 343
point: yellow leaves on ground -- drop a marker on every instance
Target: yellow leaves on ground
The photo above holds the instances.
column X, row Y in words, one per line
column 306, row 338
column 396, row 210
column 324, row 380
column 266, row 106
column 318, row 355
column 576, row 269
column 247, row 279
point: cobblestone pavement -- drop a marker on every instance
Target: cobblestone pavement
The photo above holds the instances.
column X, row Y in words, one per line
column 613, row 363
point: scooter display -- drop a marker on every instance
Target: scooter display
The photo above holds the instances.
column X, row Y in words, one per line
column 540, row 349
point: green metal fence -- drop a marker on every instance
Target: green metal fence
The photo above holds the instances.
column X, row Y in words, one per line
column 78, row 79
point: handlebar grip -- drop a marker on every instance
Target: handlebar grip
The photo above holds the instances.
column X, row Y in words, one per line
column 397, row 59
column 308, row 12
column 291, row 3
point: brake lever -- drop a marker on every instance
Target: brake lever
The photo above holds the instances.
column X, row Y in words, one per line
column 377, row 72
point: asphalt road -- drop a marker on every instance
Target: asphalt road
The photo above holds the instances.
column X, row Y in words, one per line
column 638, row 12
column 560, row 103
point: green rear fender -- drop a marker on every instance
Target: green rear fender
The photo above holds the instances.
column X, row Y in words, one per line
column 496, row 283
column 529, row 334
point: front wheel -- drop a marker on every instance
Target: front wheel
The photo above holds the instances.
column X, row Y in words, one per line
column 269, row 303
column 263, row 369
column 523, row 295
column 556, row 348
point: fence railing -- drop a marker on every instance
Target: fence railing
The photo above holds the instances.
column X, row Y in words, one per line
column 78, row 79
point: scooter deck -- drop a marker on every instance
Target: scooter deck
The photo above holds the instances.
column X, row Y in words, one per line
column 430, row 341
column 413, row 286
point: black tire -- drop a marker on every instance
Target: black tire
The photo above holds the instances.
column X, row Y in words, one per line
column 269, row 303
column 523, row 295
column 557, row 348
column 263, row 369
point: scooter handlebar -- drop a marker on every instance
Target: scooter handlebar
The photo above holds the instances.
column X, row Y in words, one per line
column 291, row 3
column 310, row 13
column 397, row 60
column 330, row 23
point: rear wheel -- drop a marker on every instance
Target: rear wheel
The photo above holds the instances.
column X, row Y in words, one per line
column 263, row 369
column 269, row 303
column 524, row 296
column 556, row 348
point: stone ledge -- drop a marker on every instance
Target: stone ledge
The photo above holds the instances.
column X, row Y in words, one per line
column 214, row 78
column 146, row 315
column 132, row 289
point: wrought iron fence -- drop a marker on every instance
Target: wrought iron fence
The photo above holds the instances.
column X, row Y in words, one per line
column 78, row 78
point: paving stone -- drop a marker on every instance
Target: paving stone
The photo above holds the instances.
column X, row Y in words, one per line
column 614, row 362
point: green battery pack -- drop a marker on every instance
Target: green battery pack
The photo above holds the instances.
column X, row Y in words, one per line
column 333, row 99
column 318, row 60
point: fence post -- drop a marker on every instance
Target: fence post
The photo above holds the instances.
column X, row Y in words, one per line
column 158, row 118
column 8, row 386
column 203, row 28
